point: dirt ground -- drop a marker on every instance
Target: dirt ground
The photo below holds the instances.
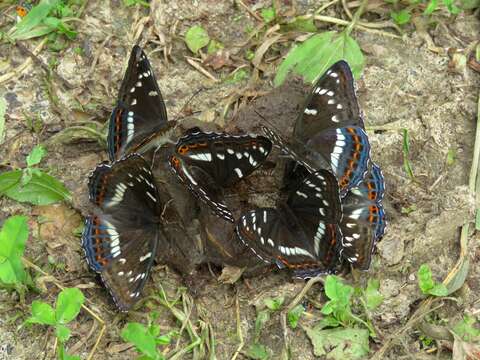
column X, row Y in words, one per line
column 405, row 85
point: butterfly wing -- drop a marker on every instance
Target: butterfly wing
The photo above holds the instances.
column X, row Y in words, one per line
column 207, row 162
column 301, row 234
column 332, row 103
column 140, row 112
column 363, row 223
column 120, row 240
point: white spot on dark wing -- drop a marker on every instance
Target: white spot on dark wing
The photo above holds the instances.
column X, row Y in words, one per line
column 308, row 111
column 238, row 172
column 138, row 84
column 331, row 101
column 221, row 156
column 152, row 93
column 299, row 193
column 339, row 106
column 270, row 242
column 132, row 89
column 238, row 155
column 151, row 196
column 122, row 261
column 335, row 118
column 333, row 74
column 230, row 151
column 330, row 93
column 145, row 257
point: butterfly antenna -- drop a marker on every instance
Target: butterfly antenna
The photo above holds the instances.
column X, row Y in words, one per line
column 177, row 116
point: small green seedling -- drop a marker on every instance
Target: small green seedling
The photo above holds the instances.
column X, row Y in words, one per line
column 44, row 18
column 341, row 333
column 406, row 154
column 258, row 352
column 427, row 285
column 31, row 184
column 196, row 38
column 13, row 237
column 146, row 339
column 467, row 330
column 268, row 14
column 294, row 315
column 67, row 308
column 314, row 56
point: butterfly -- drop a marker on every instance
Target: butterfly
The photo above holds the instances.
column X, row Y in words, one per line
column 121, row 238
column 329, row 133
column 139, row 119
column 209, row 161
column 302, row 233
column 363, row 223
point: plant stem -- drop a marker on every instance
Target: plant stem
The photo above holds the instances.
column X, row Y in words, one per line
column 357, row 15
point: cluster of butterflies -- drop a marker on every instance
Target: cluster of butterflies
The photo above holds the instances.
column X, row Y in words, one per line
column 331, row 210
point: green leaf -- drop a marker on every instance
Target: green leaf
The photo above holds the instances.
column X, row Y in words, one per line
column 274, row 304
column 328, row 321
column 42, row 313
column 30, row 24
column 38, row 152
column 452, row 9
column 426, row 283
column 13, row 237
column 451, row 155
column 262, row 318
column 300, row 24
column 214, row 46
column 138, row 335
column 466, row 330
column 339, row 295
column 401, row 17
column 60, row 26
column 196, row 38
column 62, row 332
column 294, row 315
column 10, row 179
column 68, row 305
column 42, row 189
column 3, row 109
column 268, row 14
column 314, row 56
column 373, row 298
column 432, row 5
column 62, row 353
column 339, row 343
column 258, row 352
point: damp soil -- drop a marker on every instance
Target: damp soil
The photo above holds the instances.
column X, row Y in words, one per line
column 405, row 85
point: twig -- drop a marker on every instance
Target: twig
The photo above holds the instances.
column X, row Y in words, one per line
column 84, row 307
column 304, row 291
column 21, row 68
column 239, row 330
column 252, row 13
column 327, row 5
column 198, row 67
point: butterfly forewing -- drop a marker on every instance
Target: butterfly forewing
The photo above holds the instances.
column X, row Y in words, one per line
column 120, row 240
column 332, row 103
column 140, row 112
column 207, row 162
column 363, row 223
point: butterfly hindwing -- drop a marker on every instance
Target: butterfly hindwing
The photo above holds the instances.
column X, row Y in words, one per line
column 300, row 234
column 363, row 223
column 120, row 239
column 140, row 112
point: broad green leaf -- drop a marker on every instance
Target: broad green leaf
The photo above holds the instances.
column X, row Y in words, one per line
column 38, row 152
column 451, row 7
column 401, row 17
column 294, row 315
column 339, row 343
column 268, row 14
column 62, row 332
column 300, row 24
column 314, row 56
column 373, row 298
column 196, row 38
column 138, row 335
column 274, row 304
column 42, row 189
column 328, row 321
column 60, row 26
column 339, row 295
column 33, row 19
column 42, row 313
column 68, row 305
column 10, row 179
column 466, row 329
column 62, row 353
column 258, row 352
column 438, row 290
column 214, row 46
column 3, row 109
column 13, row 236
column 262, row 318
column 458, row 279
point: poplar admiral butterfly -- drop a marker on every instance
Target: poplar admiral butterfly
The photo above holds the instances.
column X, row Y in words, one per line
column 329, row 133
column 209, row 161
column 139, row 120
column 301, row 234
column 120, row 239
